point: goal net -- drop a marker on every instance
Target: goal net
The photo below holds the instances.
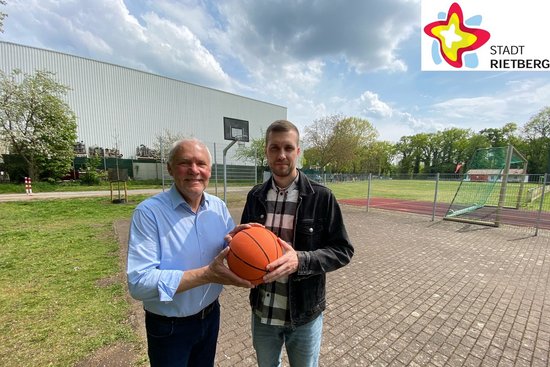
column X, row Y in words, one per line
column 482, row 192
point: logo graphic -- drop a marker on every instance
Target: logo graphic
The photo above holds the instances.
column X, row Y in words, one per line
column 455, row 39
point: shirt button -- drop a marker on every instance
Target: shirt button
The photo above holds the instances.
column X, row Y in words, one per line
column 310, row 230
column 261, row 216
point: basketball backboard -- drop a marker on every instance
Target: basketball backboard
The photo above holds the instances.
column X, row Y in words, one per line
column 235, row 129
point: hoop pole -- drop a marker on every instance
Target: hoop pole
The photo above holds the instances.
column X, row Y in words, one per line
column 225, row 169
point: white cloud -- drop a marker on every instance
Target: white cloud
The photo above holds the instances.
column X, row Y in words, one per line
column 317, row 58
column 178, row 53
column 372, row 104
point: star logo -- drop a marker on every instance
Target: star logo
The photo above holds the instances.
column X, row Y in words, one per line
column 453, row 38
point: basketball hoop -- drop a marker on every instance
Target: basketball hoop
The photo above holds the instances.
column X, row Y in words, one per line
column 241, row 139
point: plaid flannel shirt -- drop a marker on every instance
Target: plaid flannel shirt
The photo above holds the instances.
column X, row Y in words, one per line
column 281, row 211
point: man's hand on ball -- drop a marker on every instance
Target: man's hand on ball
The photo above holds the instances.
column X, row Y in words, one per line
column 283, row 266
column 221, row 274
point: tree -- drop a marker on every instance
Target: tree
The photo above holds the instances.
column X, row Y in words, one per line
column 319, row 138
column 350, row 135
column 2, row 16
column 36, row 123
column 537, row 133
column 255, row 152
column 404, row 150
column 539, row 125
column 421, row 151
column 477, row 141
column 163, row 143
column 337, row 141
column 376, row 158
column 503, row 136
column 439, row 152
column 454, row 143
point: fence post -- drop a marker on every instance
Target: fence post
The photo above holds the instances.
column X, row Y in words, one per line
column 161, row 162
column 215, row 171
column 435, row 196
column 255, row 167
column 540, row 205
column 368, row 191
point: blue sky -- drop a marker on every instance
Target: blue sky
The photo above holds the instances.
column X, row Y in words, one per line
column 357, row 58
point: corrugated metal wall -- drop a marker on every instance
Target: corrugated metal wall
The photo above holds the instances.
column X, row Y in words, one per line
column 122, row 107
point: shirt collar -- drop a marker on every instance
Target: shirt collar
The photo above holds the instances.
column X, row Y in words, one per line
column 293, row 185
column 177, row 200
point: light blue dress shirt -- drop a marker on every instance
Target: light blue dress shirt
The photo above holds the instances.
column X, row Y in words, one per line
column 166, row 239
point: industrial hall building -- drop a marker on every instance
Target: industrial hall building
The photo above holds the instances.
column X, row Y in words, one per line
column 125, row 112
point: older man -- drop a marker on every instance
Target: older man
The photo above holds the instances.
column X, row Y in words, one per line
column 176, row 250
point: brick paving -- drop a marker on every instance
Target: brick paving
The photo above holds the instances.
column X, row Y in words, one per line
column 422, row 293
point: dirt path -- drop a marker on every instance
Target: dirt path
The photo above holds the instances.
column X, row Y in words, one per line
column 122, row 354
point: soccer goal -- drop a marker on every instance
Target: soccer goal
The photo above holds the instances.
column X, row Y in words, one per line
column 494, row 179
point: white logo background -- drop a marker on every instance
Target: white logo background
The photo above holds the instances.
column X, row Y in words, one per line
column 510, row 23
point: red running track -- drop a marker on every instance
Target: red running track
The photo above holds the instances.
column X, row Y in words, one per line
column 509, row 216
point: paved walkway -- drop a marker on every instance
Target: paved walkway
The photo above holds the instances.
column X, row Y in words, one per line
column 422, row 293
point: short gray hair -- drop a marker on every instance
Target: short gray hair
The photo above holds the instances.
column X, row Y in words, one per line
column 177, row 145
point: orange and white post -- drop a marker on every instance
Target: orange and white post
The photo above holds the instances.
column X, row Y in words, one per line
column 28, row 186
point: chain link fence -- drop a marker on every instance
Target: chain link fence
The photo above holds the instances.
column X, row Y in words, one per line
column 149, row 165
column 523, row 201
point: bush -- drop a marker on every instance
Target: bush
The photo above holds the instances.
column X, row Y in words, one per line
column 16, row 167
column 90, row 178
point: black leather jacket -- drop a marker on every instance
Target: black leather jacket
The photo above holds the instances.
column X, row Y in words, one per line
column 320, row 238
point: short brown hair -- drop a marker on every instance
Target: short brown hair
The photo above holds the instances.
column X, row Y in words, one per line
column 281, row 126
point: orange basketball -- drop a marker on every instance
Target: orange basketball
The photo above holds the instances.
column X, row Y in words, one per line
column 250, row 251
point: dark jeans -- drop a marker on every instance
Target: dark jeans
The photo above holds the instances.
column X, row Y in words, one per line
column 186, row 342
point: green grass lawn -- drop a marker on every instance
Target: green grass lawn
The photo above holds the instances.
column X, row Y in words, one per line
column 421, row 190
column 394, row 189
column 55, row 305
